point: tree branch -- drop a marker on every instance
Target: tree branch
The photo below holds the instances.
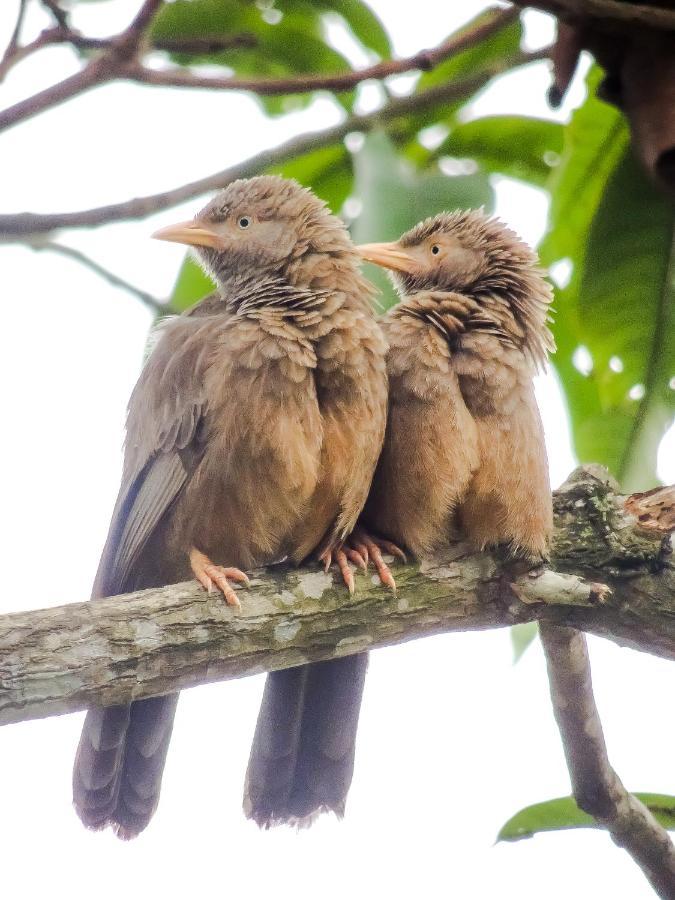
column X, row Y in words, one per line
column 60, row 15
column 13, row 42
column 19, row 225
column 344, row 81
column 118, row 62
column 115, row 280
column 596, row 786
column 619, row 12
column 156, row 641
column 16, row 54
column 106, row 67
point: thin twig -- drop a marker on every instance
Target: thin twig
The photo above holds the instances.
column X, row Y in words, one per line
column 13, row 44
column 343, row 81
column 44, row 39
column 96, row 73
column 133, row 34
column 60, row 15
column 107, row 66
column 67, row 35
column 115, row 280
column 118, row 61
column 596, row 786
column 22, row 224
column 206, row 45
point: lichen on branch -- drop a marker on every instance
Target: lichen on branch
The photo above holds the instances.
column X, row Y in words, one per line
column 610, row 577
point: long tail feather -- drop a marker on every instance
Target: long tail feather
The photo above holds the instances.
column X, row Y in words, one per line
column 119, row 764
column 302, row 758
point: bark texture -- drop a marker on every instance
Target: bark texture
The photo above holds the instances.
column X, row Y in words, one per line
column 597, row 788
column 612, row 577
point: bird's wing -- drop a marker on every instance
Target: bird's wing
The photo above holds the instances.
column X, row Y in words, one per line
column 166, row 410
column 430, row 447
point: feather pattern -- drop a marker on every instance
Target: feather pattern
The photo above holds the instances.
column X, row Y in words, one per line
column 464, row 453
column 252, row 435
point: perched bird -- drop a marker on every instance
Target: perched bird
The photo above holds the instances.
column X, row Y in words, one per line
column 252, row 436
column 464, row 453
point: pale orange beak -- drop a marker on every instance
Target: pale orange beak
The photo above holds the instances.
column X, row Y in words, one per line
column 193, row 233
column 389, row 255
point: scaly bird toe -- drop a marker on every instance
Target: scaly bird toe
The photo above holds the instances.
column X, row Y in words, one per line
column 373, row 546
column 355, row 555
column 208, row 573
column 339, row 557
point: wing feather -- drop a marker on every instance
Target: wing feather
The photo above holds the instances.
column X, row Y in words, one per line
column 163, row 444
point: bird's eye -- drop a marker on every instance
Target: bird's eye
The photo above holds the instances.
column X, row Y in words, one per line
column 435, row 249
column 244, row 222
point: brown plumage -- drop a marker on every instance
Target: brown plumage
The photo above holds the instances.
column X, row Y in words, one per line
column 464, row 452
column 252, row 436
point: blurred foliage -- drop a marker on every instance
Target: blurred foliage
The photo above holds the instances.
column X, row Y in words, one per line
column 516, row 146
column 191, row 284
column 563, row 813
column 328, row 172
column 393, row 196
column 273, row 40
column 521, row 637
column 615, row 231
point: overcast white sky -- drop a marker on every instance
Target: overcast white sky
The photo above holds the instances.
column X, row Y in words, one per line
column 453, row 738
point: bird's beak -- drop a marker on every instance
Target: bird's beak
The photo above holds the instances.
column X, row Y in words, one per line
column 390, row 255
column 194, row 233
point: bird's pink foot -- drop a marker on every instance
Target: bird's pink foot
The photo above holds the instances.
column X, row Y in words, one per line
column 209, row 574
column 341, row 557
column 370, row 547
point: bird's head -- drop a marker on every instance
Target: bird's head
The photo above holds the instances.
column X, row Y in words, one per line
column 262, row 227
column 470, row 253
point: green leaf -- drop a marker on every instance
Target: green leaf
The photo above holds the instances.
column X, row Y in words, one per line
column 395, row 197
column 364, row 24
column 489, row 57
column 204, row 18
column 617, row 232
column 274, row 49
column 328, row 172
column 521, row 638
column 191, row 285
column 517, row 146
column 626, row 302
column 496, row 49
column 563, row 813
column 594, row 141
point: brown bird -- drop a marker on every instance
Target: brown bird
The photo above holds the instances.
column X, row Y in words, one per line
column 464, row 452
column 252, row 436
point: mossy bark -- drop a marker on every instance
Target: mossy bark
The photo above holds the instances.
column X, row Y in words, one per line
column 611, row 578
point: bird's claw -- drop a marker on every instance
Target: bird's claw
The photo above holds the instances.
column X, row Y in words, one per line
column 208, row 574
column 370, row 547
column 339, row 556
